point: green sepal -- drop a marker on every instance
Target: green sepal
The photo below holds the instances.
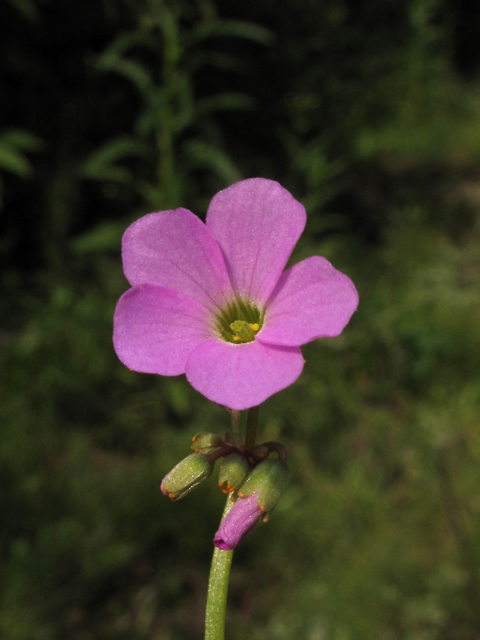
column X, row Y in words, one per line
column 233, row 471
column 268, row 481
column 188, row 473
column 204, row 441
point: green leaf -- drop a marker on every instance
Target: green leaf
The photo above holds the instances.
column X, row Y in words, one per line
column 231, row 28
column 103, row 237
column 101, row 164
column 12, row 144
column 225, row 101
column 205, row 155
column 112, row 59
column 123, row 43
column 14, row 161
column 133, row 71
column 26, row 7
column 21, row 139
column 223, row 61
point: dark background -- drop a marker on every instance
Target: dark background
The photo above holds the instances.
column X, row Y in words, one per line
column 368, row 111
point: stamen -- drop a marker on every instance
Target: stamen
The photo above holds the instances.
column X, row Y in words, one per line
column 239, row 321
column 242, row 331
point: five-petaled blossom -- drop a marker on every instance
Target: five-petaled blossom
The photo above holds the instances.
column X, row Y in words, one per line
column 213, row 300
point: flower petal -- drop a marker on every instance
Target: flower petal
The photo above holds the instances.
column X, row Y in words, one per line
column 240, row 376
column 244, row 514
column 256, row 223
column 176, row 250
column 155, row 329
column 311, row 300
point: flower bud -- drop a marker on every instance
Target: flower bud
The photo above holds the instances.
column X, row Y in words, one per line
column 188, row 473
column 268, row 481
column 259, row 494
column 244, row 514
column 233, row 471
column 204, row 441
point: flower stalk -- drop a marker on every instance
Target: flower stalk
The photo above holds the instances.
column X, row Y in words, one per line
column 236, row 415
column 218, row 589
column 222, row 560
column 251, row 430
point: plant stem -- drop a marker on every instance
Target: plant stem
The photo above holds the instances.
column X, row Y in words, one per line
column 217, row 589
column 222, row 560
column 251, row 430
column 235, row 422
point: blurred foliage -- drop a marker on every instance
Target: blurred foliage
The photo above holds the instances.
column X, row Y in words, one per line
column 369, row 113
column 13, row 144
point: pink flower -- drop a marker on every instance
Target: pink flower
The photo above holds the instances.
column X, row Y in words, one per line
column 212, row 300
column 242, row 517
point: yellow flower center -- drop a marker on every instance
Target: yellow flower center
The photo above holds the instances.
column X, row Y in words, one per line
column 239, row 321
column 244, row 331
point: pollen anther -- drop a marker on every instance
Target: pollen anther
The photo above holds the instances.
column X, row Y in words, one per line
column 239, row 321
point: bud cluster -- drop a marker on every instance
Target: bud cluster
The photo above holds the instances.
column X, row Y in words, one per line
column 255, row 481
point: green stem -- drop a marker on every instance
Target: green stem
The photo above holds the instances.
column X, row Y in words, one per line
column 217, row 589
column 222, row 560
column 251, row 430
column 235, row 422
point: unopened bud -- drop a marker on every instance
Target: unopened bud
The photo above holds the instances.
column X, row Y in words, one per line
column 268, row 481
column 204, row 441
column 233, row 471
column 242, row 517
column 188, row 473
